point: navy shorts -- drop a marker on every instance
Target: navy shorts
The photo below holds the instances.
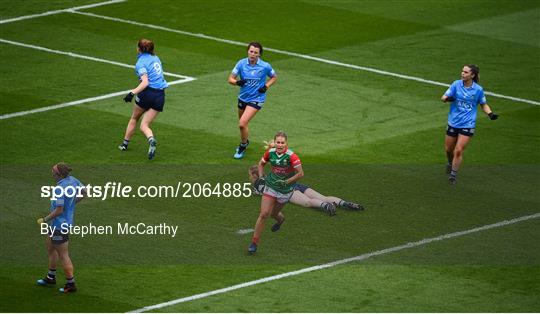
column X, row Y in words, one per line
column 255, row 104
column 453, row 132
column 151, row 98
column 300, row 187
column 58, row 237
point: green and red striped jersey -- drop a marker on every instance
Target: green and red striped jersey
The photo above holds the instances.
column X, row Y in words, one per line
column 282, row 168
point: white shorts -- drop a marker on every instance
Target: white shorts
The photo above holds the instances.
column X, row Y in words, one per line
column 280, row 197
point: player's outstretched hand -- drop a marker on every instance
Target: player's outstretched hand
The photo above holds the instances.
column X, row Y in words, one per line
column 241, row 82
column 40, row 221
column 493, row 116
column 263, row 89
column 129, row 97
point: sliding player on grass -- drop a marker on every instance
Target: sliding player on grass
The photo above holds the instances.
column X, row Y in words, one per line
column 304, row 195
column 250, row 74
column 464, row 96
column 286, row 170
column 150, row 93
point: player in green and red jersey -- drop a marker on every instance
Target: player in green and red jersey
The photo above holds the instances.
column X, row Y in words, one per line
column 286, row 170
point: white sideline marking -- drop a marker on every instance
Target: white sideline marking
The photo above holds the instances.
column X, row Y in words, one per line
column 339, row 262
column 78, row 102
column 25, row 17
column 298, row 55
column 245, row 231
column 76, row 55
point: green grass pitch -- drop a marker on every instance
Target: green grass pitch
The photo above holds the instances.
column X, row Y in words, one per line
column 372, row 138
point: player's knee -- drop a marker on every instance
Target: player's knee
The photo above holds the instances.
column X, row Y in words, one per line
column 242, row 125
column 64, row 257
column 264, row 215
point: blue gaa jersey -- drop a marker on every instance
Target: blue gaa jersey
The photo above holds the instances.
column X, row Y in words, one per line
column 68, row 201
column 255, row 76
column 463, row 110
column 150, row 65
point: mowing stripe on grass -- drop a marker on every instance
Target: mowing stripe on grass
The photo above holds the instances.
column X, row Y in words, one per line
column 76, row 55
column 26, row 17
column 298, row 55
column 78, row 102
column 339, row 262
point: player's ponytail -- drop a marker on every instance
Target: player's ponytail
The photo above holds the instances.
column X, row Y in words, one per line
column 269, row 144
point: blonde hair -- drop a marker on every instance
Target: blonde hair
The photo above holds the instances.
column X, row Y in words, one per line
column 269, row 144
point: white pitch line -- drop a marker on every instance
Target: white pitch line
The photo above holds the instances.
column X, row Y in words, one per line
column 78, row 102
column 338, row 262
column 76, row 55
column 26, row 17
column 298, row 55
column 244, row 231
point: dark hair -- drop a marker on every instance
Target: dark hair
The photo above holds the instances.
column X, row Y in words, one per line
column 254, row 170
column 280, row 134
column 146, row 45
column 62, row 169
column 256, row 45
column 475, row 70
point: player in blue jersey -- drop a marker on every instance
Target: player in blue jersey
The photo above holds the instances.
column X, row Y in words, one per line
column 150, row 93
column 69, row 192
column 250, row 74
column 464, row 96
